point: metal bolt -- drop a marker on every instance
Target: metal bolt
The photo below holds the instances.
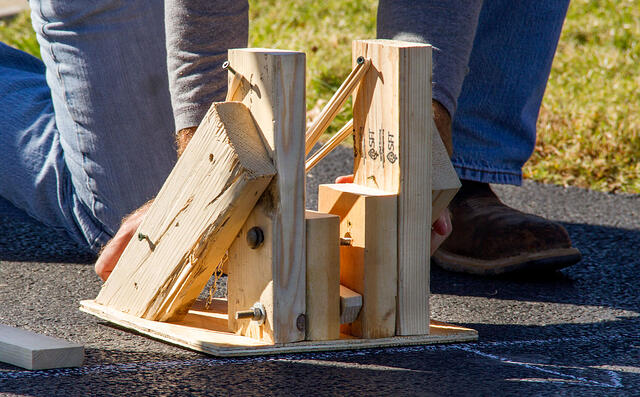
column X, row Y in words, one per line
column 360, row 60
column 142, row 236
column 255, row 313
column 300, row 322
column 227, row 66
column 255, row 237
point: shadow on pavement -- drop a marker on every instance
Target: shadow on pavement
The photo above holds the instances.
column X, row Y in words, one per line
column 607, row 275
column 24, row 239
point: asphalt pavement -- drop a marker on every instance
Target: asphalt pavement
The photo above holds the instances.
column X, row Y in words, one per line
column 573, row 332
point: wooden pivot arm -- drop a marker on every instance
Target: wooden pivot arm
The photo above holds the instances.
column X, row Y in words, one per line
column 336, row 102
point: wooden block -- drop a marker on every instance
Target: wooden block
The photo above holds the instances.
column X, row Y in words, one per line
column 194, row 219
column 323, row 276
column 444, row 179
column 393, row 126
column 369, row 265
column 29, row 350
column 350, row 305
column 273, row 274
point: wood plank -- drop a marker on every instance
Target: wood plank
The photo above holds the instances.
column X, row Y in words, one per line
column 273, row 274
column 30, row 350
column 393, row 130
column 195, row 217
column 350, row 305
column 227, row 344
column 444, row 179
column 323, row 276
column 368, row 266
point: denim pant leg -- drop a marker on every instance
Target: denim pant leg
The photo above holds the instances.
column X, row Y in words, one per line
column 110, row 144
column 33, row 175
column 494, row 127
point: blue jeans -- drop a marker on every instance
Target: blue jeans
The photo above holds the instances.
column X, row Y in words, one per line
column 494, row 127
column 509, row 60
column 86, row 134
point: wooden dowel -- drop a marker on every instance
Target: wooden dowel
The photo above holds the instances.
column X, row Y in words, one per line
column 334, row 105
column 331, row 144
column 233, row 87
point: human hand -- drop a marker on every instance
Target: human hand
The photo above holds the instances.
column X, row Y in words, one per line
column 113, row 250
column 440, row 230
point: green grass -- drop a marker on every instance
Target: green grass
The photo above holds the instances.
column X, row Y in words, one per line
column 589, row 126
column 17, row 32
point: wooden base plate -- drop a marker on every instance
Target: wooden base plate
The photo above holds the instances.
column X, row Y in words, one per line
column 200, row 331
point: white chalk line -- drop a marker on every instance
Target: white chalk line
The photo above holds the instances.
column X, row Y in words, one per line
column 472, row 348
column 616, row 382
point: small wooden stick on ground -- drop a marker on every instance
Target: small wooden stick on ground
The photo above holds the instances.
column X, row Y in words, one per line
column 331, row 144
column 336, row 102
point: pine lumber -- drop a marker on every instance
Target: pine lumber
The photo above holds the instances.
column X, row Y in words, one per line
column 350, row 305
column 368, row 266
column 210, row 340
column 444, row 179
column 194, row 219
column 392, row 118
column 323, row 276
column 274, row 91
column 30, row 350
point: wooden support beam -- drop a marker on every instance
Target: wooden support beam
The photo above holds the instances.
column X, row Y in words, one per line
column 392, row 118
column 323, row 276
column 444, row 179
column 194, row 219
column 350, row 305
column 274, row 273
column 368, row 266
column 29, row 350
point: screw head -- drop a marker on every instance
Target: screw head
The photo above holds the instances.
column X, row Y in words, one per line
column 255, row 237
column 360, row 60
column 300, row 322
column 225, row 65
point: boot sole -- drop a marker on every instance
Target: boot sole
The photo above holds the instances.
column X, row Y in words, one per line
column 545, row 261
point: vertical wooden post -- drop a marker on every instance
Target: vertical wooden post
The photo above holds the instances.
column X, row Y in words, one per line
column 323, row 276
column 393, row 132
column 273, row 274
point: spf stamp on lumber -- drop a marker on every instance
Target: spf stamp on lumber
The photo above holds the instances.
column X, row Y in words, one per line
column 30, row 350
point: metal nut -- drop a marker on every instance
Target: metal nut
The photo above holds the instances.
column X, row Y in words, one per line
column 255, row 237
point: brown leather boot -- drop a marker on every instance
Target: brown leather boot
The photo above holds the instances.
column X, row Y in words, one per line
column 490, row 238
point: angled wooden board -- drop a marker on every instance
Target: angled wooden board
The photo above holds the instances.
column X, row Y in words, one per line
column 444, row 179
column 194, row 219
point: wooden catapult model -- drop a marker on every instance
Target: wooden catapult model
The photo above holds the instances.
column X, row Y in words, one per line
column 354, row 274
